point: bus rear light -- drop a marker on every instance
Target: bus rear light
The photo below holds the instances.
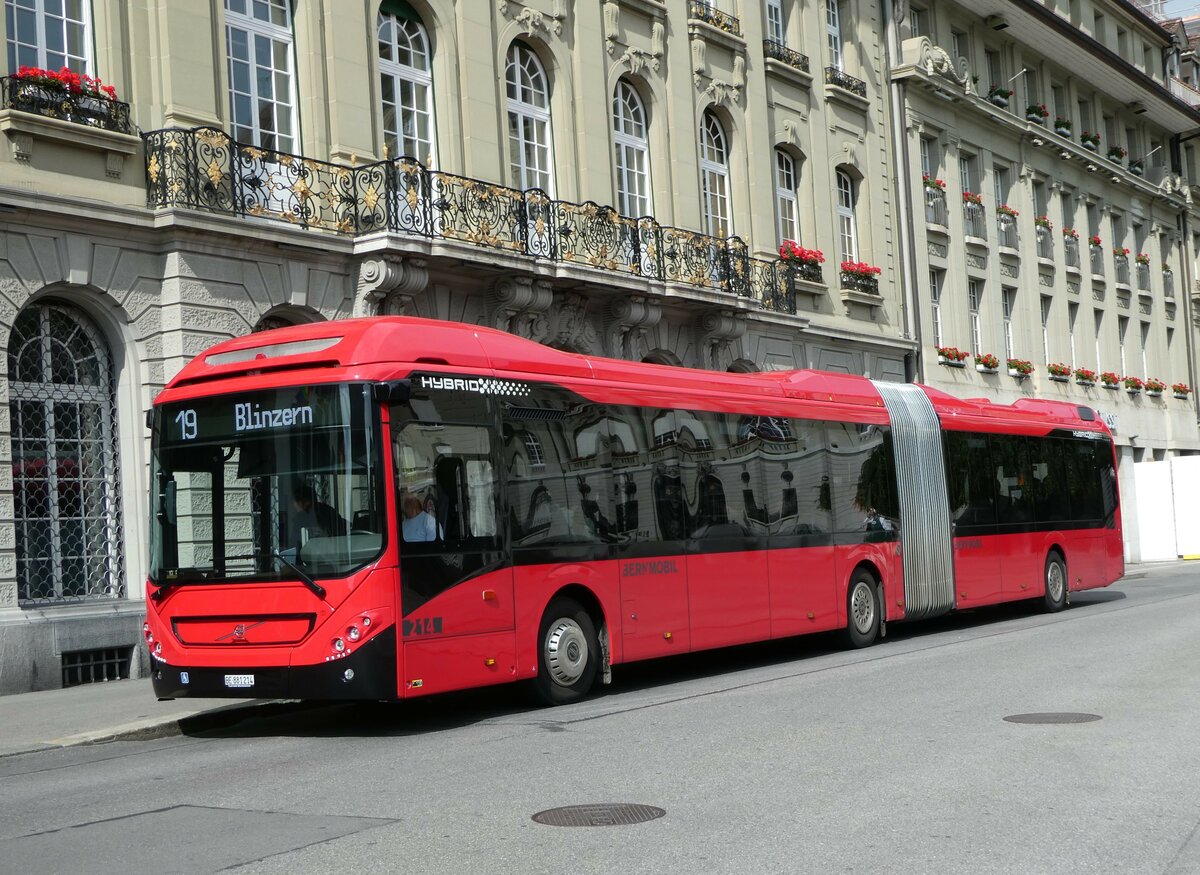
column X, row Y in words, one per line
column 353, row 634
column 489, row 595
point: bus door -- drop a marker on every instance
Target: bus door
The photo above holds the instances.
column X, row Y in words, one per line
column 456, row 589
column 728, row 589
column 974, row 481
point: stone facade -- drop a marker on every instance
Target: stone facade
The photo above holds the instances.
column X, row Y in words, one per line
column 196, row 231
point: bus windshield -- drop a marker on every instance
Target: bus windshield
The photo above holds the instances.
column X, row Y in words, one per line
column 273, row 485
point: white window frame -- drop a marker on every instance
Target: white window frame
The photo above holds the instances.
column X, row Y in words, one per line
column 1145, row 332
column 776, row 26
column 1047, row 304
column 1098, row 319
column 714, row 176
column 631, row 151
column 419, row 79
column 974, row 296
column 787, row 202
column 255, row 29
column 528, row 117
column 44, row 20
column 1008, row 301
column 1122, row 330
column 1072, row 318
column 833, row 33
column 847, row 222
column 936, row 283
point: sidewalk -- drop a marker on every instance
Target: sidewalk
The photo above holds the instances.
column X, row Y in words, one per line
column 101, row 712
column 97, row 712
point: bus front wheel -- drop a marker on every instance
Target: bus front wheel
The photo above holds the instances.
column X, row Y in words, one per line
column 568, row 653
column 1056, row 582
column 862, row 608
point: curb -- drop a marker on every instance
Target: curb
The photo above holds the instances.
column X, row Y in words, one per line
column 201, row 720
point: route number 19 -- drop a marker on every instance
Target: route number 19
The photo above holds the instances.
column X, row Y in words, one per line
column 187, row 424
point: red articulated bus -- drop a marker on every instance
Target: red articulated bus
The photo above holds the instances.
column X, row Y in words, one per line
column 391, row 507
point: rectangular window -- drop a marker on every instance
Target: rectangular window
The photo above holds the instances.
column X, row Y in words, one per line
column 1072, row 318
column 1122, row 329
column 258, row 40
column 775, row 24
column 919, row 23
column 1059, row 95
column 50, row 34
column 1041, row 198
column 1009, row 297
column 961, row 45
column 966, row 172
column 1098, row 317
column 1047, row 302
column 974, row 294
column 936, row 280
column 1145, row 332
column 833, row 32
column 1033, row 88
column 785, row 196
column 995, row 70
column 927, row 168
column 1003, row 187
column 1085, row 116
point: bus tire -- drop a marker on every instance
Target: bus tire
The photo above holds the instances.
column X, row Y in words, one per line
column 1056, row 582
column 862, row 609
column 568, row 653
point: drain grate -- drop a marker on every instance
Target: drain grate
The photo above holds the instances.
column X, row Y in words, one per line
column 603, row 814
column 1052, row 717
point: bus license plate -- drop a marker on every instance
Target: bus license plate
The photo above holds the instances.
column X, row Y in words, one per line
column 239, row 681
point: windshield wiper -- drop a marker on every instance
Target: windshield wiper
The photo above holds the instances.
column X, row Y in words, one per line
column 304, row 576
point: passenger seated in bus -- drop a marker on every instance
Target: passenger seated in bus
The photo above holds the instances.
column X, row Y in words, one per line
column 418, row 525
column 313, row 518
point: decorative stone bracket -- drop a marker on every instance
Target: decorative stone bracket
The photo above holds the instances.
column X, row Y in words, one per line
column 389, row 284
column 532, row 20
column 718, row 329
column 629, row 320
column 519, row 305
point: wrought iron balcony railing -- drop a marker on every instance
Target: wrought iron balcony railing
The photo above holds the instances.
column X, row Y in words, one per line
column 59, row 103
column 974, row 221
column 1006, row 231
column 1122, row 265
column 834, row 76
column 710, row 14
column 1071, row 251
column 860, row 283
column 1045, row 243
column 205, row 169
column 780, row 52
column 935, row 207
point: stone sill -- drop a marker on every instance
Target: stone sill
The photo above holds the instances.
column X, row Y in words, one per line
column 848, row 98
column 23, row 128
column 977, row 242
column 934, row 228
column 651, row 8
column 1074, row 269
column 712, row 34
column 808, row 287
column 852, row 296
column 1147, row 295
column 787, row 72
column 1009, row 252
column 1046, row 262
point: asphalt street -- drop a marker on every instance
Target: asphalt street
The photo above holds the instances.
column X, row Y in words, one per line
column 795, row 756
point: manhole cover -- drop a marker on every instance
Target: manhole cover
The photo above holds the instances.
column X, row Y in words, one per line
column 604, row 814
column 1052, row 717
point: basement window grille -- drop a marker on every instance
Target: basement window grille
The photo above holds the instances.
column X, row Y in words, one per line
column 95, row 666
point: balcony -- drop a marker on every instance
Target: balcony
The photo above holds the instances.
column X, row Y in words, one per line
column 204, row 169
column 857, row 87
column 1071, row 253
column 780, row 52
column 1122, row 272
column 935, row 208
column 57, row 103
column 1143, row 277
column 1045, row 244
column 1097, row 260
column 1006, row 232
column 711, row 15
column 1168, row 285
column 974, row 221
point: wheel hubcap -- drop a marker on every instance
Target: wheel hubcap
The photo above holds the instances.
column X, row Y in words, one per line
column 566, row 652
column 862, row 608
column 1054, row 581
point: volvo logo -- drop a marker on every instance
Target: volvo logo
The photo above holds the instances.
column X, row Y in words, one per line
column 239, row 631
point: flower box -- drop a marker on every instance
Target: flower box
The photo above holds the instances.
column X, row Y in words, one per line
column 1154, row 393
column 1062, row 132
column 1110, row 385
column 1087, row 384
column 984, row 369
column 1132, row 391
column 1182, row 396
column 950, row 363
column 1060, row 378
column 1013, row 372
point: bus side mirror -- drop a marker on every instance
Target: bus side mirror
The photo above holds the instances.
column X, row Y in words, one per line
column 392, row 391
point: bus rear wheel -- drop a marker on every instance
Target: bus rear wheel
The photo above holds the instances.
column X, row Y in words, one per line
column 568, row 653
column 862, row 609
column 1056, row 582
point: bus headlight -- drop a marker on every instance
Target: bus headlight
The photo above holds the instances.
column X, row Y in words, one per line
column 353, row 634
column 339, row 645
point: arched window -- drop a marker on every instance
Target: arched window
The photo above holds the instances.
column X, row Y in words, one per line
column 49, row 34
column 714, row 176
column 406, row 86
column 262, row 99
column 632, row 151
column 66, row 484
column 531, row 159
column 787, row 211
column 847, row 225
